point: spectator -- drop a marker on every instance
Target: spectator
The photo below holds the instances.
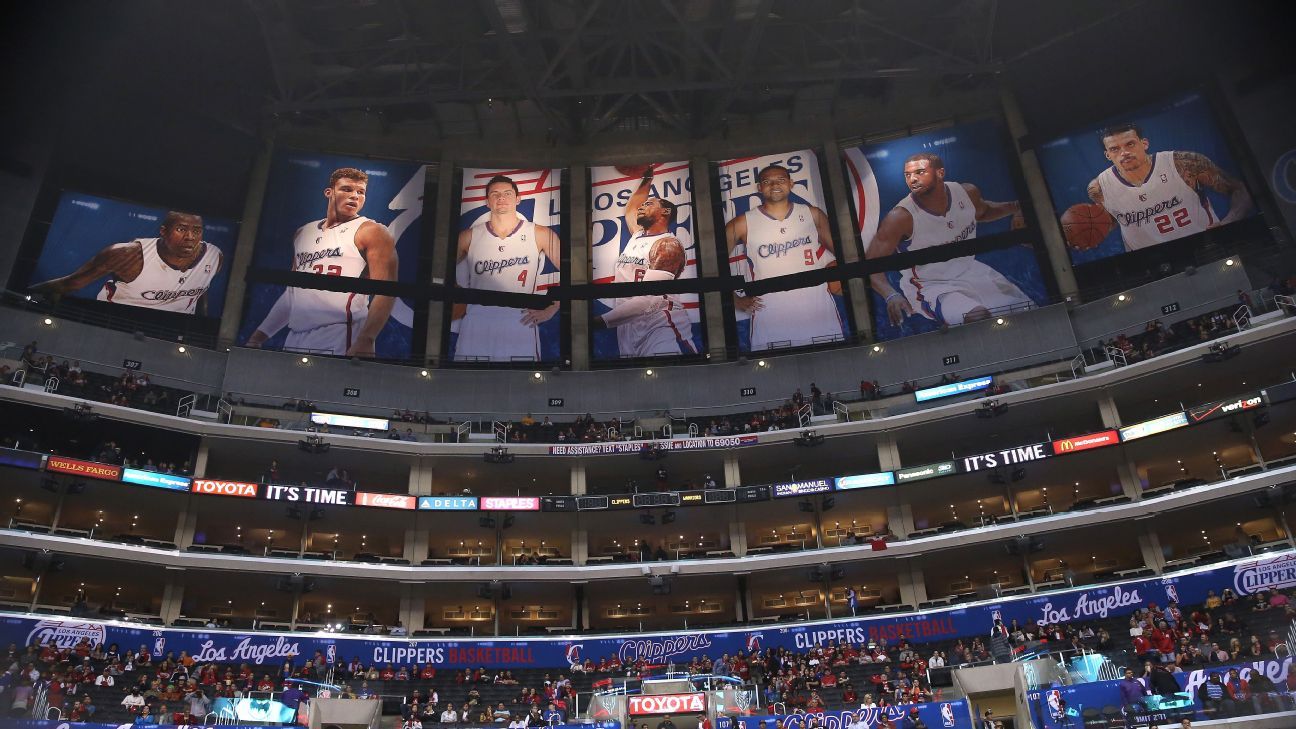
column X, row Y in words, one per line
column 133, row 701
column 145, row 717
column 1132, row 692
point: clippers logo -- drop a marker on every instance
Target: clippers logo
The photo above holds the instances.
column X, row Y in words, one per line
column 655, row 650
column 753, row 642
column 947, row 715
column 574, row 653
column 225, row 488
column 666, row 704
column 304, row 260
column 1275, row 574
column 65, row 634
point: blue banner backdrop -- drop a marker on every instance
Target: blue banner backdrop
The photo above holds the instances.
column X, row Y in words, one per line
column 944, row 714
column 1244, row 577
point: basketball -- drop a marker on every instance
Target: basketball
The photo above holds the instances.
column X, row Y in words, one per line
column 635, row 171
column 1084, row 225
column 667, row 254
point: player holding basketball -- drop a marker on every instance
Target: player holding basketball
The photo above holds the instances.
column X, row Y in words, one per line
column 171, row 272
column 649, row 325
column 781, row 238
column 936, row 213
column 344, row 243
column 1162, row 196
column 504, row 252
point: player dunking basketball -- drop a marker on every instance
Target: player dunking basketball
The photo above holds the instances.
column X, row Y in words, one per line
column 782, row 237
column 1162, row 196
column 649, row 325
column 342, row 244
column 936, row 213
column 504, row 252
column 171, row 272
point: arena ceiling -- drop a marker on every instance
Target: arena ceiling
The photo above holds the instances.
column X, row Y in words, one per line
column 575, row 69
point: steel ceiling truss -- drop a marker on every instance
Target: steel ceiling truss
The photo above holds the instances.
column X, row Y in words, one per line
column 581, row 67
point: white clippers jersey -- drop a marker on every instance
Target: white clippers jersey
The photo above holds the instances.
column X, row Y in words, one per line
column 633, row 335
column 781, row 247
column 931, row 230
column 331, row 252
column 1163, row 208
column 496, row 333
column 159, row 286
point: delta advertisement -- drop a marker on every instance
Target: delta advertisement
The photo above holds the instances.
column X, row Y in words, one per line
column 1069, row 606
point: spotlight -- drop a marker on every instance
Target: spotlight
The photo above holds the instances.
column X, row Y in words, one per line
column 1121, row 297
column 423, row 373
column 809, row 439
column 28, row 297
column 999, row 321
column 49, row 322
column 760, row 363
column 498, row 454
column 535, row 375
column 877, row 348
column 305, row 360
column 181, row 349
column 1229, row 262
column 648, row 372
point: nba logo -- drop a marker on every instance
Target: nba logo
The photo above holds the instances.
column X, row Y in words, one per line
column 330, row 653
column 1055, row 704
column 947, row 715
column 159, row 642
column 996, row 615
column 1172, row 593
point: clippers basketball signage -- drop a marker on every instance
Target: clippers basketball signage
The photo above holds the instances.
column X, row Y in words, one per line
column 1086, row 442
column 510, row 241
column 1143, row 179
column 225, row 488
column 641, row 221
column 666, row 704
column 942, row 192
column 308, row 495
column 90, row 469
column 345, row 218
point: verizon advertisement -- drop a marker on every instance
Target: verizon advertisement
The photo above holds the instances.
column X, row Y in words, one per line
column 510, row 503
column 308, row 494
column 1213, row 410
column 225, row 488
column 1086, row 442
column 385, row 501
column 666, row 704
column 90, row 469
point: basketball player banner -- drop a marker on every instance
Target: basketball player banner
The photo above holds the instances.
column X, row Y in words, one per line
column 1145, row 178
column 776, row 223
column 641, row 221
column 135, row 255
column 336, row 216
column 1065, row 606
column 509, row 240
column 934, row 714
column 934, row 189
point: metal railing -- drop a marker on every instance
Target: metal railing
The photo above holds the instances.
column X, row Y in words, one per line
column 500, row 428
column 462, row 431
column 185, row 406
column 841, row 411
column 1242, row 317
column 51, row 384
column 804, row 413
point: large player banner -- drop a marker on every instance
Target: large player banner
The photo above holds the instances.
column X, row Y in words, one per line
column 509, row 240
column 136, row 255
column 641, row 222
column 934, row 189
column 776, row 223
column 1146, row 178
column 336, row 216
column 1084, row 604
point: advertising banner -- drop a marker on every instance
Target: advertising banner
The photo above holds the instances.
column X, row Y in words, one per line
column 509, row 503
column 90, row 469
column 308, row 494
column 953, row 388
column 385, row 501
column 447, row 503
column 1106, row 601
column 156, row 480
column 1086, row 442
column 240, row 489
column 801, row 488
column 678, row 444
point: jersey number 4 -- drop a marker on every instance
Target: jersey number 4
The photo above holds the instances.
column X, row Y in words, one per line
column 1165, row 224
column 331, row 271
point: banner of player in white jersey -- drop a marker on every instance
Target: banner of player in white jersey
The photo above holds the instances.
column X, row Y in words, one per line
column 776, row 225
column 510, row 240
column 336, row 216
column 135, row 255
column 1143, row 179
column 642, row 230
column 934, row 189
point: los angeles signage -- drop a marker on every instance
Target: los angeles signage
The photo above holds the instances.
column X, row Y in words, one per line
column 666, row 704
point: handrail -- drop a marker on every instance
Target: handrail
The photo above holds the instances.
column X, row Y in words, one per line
column 841, row 410
column 51, row 384
column 1242, row 317
column 224, row 410
column 1116, row 355
column 462, row 429
column 500, row 429
column 185, row 405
